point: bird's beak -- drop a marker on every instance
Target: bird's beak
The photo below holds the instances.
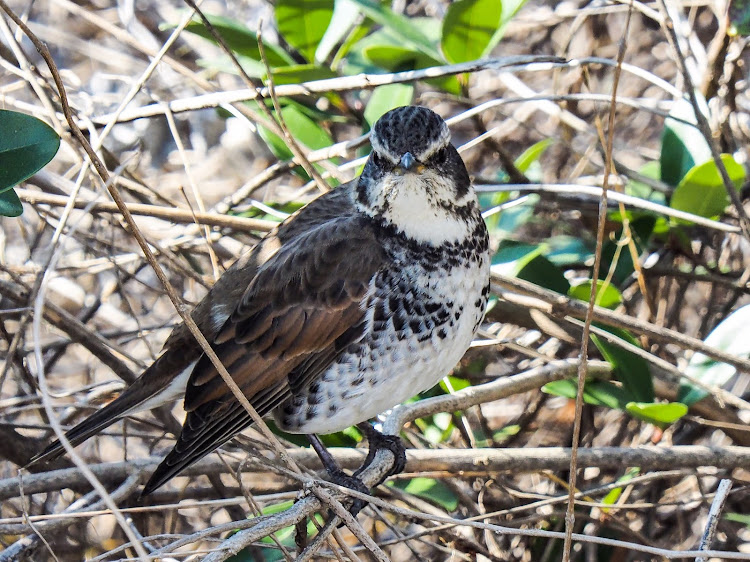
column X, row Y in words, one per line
column 407, row 162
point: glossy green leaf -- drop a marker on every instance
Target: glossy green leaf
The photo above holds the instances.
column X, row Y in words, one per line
column 468, row 28
column 607, row 295
column 10, row 204
column 682, row 145
column 540, row 271
column 26, row 146
column 596, row 393
column 409, row 33
column 657, row 413
column 630, row 369
column 732, row 336
column 532, row 154
column 385, row 98
column 456, row 383
column 431, row 490
column 702, row 190
column 527, row 262
column 567, row 250
column 303, row 23
column 240, row 39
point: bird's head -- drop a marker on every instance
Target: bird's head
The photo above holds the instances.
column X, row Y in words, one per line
column 414, row 177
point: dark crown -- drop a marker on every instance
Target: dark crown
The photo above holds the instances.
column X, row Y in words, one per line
column 412, row 129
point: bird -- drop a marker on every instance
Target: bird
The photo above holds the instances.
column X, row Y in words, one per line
column 365, row 297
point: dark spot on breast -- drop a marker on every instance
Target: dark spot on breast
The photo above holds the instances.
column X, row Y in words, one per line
column 432, row 307
column 398, row 322
column 379, row 315
column 442, row 334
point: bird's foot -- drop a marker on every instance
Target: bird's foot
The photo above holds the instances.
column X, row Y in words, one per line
column 376, row 441
column 338, row 476
column 353, row 483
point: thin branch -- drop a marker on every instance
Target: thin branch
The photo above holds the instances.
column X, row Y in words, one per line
column 183, row 216
column 714, row 514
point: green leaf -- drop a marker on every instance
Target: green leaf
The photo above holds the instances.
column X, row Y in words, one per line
column 429, row 489
column 641, row 229
column 702, row 190
column 240, row 40
column 26, row 146
column 738, row 518
column 510, row 220
column 596, row 393
column 567, row 250
column 631, row 370
column 394, row 58
column 468, row 27
column 340, row 29
column 298, row 73
column 409, row 33
column 385, row 98
column 607, row 295
column 456, row 382
column 303, row 23
column 301, row 127
column 739, row 16
column 532, row 154
column 732, row 336
column 682, row 144
column 657, row 413
column 10, row 204
column 527, row 262
column 510, row 9
column 614, row 494
column 636, row 188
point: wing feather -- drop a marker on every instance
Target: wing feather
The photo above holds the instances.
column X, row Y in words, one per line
column 304, row 306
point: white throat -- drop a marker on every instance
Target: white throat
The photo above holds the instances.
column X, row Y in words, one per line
column 416, row 210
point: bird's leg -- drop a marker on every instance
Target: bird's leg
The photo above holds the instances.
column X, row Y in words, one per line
column 337, row 475
column 377, row 441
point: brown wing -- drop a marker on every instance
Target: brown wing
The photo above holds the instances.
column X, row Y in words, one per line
column 302, row 308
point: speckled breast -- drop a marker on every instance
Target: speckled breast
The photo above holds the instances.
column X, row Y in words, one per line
column 421, row 315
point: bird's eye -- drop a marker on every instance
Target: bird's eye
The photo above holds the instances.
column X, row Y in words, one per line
column 440, row 156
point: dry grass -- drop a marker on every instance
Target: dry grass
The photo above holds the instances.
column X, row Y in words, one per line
column 107, row 314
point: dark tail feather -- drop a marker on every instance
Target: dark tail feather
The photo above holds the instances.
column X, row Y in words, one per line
column 90, row 426
column 87, row 428
column 191, row 448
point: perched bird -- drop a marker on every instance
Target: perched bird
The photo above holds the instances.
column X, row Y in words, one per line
column 365, row 297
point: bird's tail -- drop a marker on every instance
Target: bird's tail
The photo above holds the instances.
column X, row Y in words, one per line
column 87, row 428
column 150, row 390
